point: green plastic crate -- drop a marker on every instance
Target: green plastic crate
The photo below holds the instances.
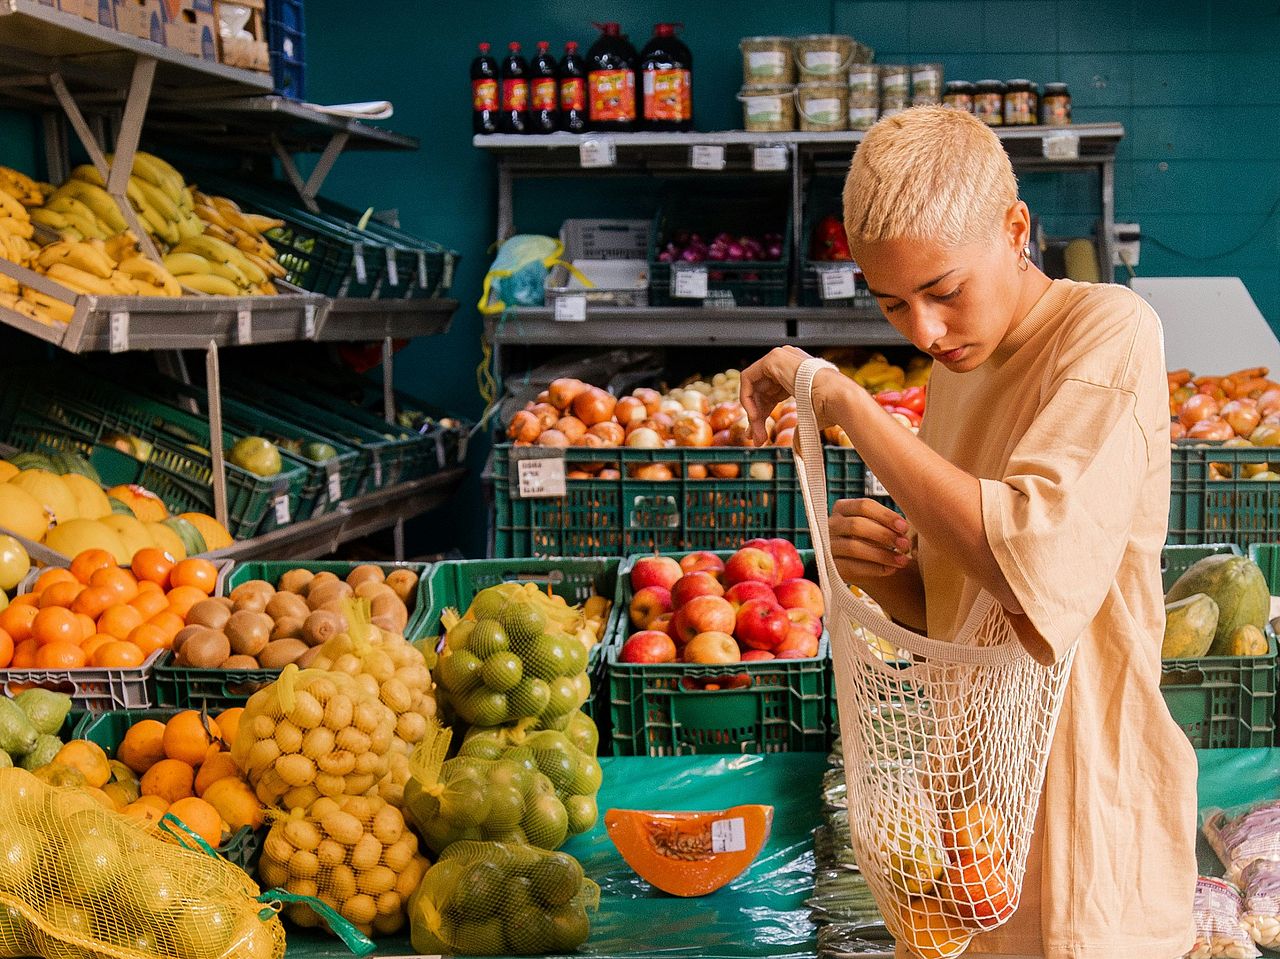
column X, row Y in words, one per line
column 1176, row 560
column 614, row 517
column 1234, row 510
column 784, row 709
column 108, row 731
column 216, row 689
column 1267, row 556
column 1223, row 702
column 455, row 583
column 824, row 199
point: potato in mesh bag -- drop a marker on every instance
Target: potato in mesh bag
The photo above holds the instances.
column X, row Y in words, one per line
column 78, row 880
column 1220, row 930
column 1260, row 883
column 353, row 853
column 313, row 733
column 489, row 898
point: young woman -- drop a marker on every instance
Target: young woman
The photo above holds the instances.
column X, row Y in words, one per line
column 1041, row 474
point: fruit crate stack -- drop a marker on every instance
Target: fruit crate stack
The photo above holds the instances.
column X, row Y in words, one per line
column 1215, row 499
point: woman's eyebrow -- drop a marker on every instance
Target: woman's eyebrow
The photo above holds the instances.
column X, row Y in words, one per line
column 919, row 289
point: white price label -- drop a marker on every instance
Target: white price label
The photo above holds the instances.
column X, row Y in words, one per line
column 422, row 269
column 597, row 152
column 281, row 504
column 728, row 835
column 309, row 321
column 768, row 159
column 377, row 471
column 689, row 282
column 837, row 284
column 118, row 334
column 335, row 485
column 393, row 272
column 357, row 260
column 571, row 309
column 1061, row 146
column 705, row 156
column 871, row 485
column 541, row 478
column 244, row 327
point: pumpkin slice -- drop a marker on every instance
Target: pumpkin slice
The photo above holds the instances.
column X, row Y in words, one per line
column 690, row 853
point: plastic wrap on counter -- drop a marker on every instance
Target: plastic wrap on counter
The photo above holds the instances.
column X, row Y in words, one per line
column 1220, row 928
column 1244, row 835
column 1260, row 884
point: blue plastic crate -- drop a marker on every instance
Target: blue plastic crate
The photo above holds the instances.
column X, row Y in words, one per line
column 286, row 39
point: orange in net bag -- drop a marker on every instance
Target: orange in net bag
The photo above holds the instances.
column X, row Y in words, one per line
column 945, row 745
column 78, row 880
column 313, row 733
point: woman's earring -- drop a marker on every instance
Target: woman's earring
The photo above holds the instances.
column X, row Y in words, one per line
column 1024, row 258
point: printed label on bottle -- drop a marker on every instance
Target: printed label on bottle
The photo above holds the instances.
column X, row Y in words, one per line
column 927, row 78
column 573, row 94
column 544, row 94
column 862, row 118
column 484, row 95
column 515, row 94
column 823, row 110
column 764, row 109
column 613, row 95
column 766, row 64
column 668, row 95
column 822, row 61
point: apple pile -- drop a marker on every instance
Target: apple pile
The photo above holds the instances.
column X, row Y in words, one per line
column 755, row 605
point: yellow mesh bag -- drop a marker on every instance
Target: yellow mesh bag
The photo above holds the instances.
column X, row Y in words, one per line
column 385, row 665
column 494, row 899
column 78, row 881
column 353, row 853
column 313, row 733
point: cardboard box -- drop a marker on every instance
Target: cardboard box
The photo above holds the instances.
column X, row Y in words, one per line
column 101, row 12
column 141, row 18
column 246, row 47
column 190, row 26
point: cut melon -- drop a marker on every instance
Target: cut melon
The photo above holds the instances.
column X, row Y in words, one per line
column 91, row 501
column 215, row 535
column 50, row 492
column 192, row 541
column 145, row 505
column 166, row 539
column 133, row 534
column 22, row 513
column 75, row 536
column 690, row 853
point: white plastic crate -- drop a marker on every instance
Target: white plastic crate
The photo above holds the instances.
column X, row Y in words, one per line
column 612, row 254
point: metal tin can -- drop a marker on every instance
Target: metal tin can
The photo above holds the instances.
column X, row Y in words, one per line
column 1055, row 105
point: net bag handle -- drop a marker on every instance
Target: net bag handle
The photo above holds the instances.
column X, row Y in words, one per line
column 813, row 486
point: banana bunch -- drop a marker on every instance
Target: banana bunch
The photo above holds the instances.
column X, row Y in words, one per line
column 226, row 222
column 37, row 306
column 157, row 193
column 15, row 237
column 106, row 268
column 22, row 188
column 211, row 265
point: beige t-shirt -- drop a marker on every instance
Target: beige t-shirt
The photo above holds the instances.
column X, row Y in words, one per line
column 1067, row 427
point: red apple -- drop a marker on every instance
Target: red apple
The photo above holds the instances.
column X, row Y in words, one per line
column 800, row 594
column 741, row 593
column 750, row 565
column 648, row 604
column 703, row 562
column 663, row 624
column 762, row 625
column 756, row 655
column 655, row 571
column 694, row 584
column 804, row 619
column 702, row 614
column 712, row 647
column 799, row 643
column 790, row 566
column 648, row 646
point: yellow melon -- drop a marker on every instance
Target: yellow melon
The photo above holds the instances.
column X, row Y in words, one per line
column 50, row 492
column 22, row 513
column 76, row 535
column 214, row 533
column 91, row 501
column 133, row 534
column 7, row 471
column 167, row 540
column 146, row 505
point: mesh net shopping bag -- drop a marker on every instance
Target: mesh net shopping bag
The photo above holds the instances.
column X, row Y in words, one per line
column 945, row 746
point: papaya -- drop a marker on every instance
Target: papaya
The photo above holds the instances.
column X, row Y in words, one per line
column 1189, row 627
column 1248, row 640
column 31, row 461
column 1237, row 585
column 690, row 853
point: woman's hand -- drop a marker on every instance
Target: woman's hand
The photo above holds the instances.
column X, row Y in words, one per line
column 766, row 383
column 868, row 540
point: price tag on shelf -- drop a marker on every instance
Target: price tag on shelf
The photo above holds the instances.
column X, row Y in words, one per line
column 541, row 478
column 309, row 321
column 871, row 485
column 769, row 159
column 357, row 260
column 118, row 332
column 393, row 272
column 244, row 327
column 571, row 309
column 597, row 152
column 837, row 283
column 706, row 156
column 688, row 282
column 281, row 506
column 422, row 269
column 728, row 835
column 1064, row 145
column 335, row 482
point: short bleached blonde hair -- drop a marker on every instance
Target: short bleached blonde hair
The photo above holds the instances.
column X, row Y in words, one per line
column 928, row 173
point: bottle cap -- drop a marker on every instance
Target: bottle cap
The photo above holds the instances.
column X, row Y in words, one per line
column 610, row 29
column 666, row 29
column 484, row 48
column 571, row 45
column 514, row 46
column 543, row 46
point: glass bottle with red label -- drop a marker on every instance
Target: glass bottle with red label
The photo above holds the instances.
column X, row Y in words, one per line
column 484, row 92
column 666, row 76
column 573, row 90
column 514, row 117
column 544, row 92
column 611, row 81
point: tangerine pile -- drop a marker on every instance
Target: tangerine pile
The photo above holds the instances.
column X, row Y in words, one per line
column 98, row 614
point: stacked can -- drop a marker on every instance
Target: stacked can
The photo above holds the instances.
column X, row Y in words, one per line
column 926, row 84
column 822, row 95
column 768, row 84
column 895, row 88
column 864, row 95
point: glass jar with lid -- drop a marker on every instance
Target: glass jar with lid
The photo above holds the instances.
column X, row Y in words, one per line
column 958, row 94
column 1055, row 105
column 1021, row 103
column 988, row 102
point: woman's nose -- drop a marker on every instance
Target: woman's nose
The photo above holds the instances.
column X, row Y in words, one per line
column 925, row 329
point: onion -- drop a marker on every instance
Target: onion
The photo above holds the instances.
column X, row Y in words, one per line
column 692, row 429
column 561, row 392
column 609, row 473
column 735, row 251
column 572, row 427
column 1176, row 430
column 654, row 471
column 543, row 397
column 724, row 415
column 694, row 401
column 525, row 427
column 1269, row 402
column 553, row 438
column 644, row 438
column 666, row 256
column 1242, row 416
column 1210, row 429
column 761, row 471
column 724, row 470
column 591, row 441
column 1202, row 406
column 721, row 438
column 546, row 414
column 611, row 433
column 696, row 471
column 578, row 475
column 693, row 255
column 1267, row 434
column 671, row 407
column 740, row 434
column 651, row 399
column 630, row 409
column 594, row 405
column 784, row 437
column 787, row 421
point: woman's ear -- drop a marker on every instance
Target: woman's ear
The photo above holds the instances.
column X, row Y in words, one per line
column 1018, row 226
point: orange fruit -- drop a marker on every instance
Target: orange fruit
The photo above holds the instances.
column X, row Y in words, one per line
column 88, row 758
column 146, row 586
column 6, row 649
column 142, row 746
column 170, row 779
column 217, row 764
column 60, row 594
column 93, row 600
column 119, row 621
column 121, row 580
column 60, row 655
column 24, row 655
column 200, row 573
column 149, row 638
column 51, row 576
column 16, row 620
column 229, row 722
column 90, row 561
column 95, row 643
column 182, row 598
column 148, row 809
column 152, row 565
column 55, row 624
column 168, row 621
column 26, row 599
column 87, row 626
column 150, row 603
column 117, row 654
column 187, row 739
column 201, row 818
column 235, row 802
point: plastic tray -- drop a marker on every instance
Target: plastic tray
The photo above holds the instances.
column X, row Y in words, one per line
column 1223, row 701
column 784, row 709
column 92, row 689
column 108, row 731
column 1236, row 510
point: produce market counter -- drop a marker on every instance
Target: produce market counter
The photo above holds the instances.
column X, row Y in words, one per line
column 762, row 913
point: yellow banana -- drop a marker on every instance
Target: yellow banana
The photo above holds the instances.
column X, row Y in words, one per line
column 81, row 256
column 71, row 233
column 225, row 205
column 212, row 249
column 11, row 207
column 190, row 226
column 185, row 201
column 9, row 298
column 15, row 226
column 23, row 197
column 209, row 283
column 96, row 199
column 175, row 182
column 180, row 263
column 123, row 284
column 50, row 218
column 79, row 280
column 260, row 224
column 150, row 289
column 88, row 173
column 46, row 308
column 144, row 270
column 20, row 179
column 76, row 211
column 8, row 285
column 265, row 289
column 212, row 215
column 218, row 233
column 160, row 201
column 230, row 271
column 123, row 245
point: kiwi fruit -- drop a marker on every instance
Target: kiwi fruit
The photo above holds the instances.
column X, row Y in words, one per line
column 365, row 573
column 287, row 627
column 287, row 606
column 321, row 626
column 226, row 601
column 370, row 589
column 249, row 632
column 306, row 660
column 389, row 605
column 207, row 649
column 253, row 586
column 183, row 635
column 254, row 602
column 318, row 580
column 388, row 624
column 295, row 581
column 208, row 612
column 319, row 596
column 405, row 584
column 281, row 653
column 240, row 662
